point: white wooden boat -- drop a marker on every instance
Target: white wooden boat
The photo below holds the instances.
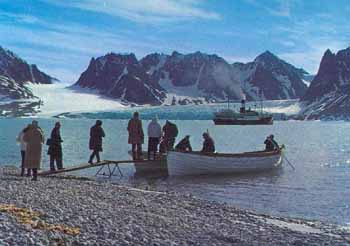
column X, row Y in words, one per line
column 196, row 163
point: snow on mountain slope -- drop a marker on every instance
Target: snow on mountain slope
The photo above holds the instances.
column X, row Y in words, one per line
column 58, row 98
column 329, row 93
column 269, row 77
column 11, row 90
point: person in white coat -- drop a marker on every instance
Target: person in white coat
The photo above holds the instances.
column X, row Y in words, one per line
column 154, row 133
column 23, row 146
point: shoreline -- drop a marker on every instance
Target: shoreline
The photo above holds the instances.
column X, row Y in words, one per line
column 109, row 214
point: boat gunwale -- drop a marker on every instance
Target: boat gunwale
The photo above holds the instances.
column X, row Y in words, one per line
column 237, row 155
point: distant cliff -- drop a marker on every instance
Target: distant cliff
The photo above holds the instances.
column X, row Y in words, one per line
column 15, row 73
column 329, row 91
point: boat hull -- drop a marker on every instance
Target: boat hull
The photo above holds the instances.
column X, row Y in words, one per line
column 158, row 168
column 228, row 121
column 180, row 164
column 151, row 168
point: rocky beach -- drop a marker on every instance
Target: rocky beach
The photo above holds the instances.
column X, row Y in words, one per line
column 73, row 211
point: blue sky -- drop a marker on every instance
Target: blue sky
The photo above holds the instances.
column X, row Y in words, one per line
column 61, row 36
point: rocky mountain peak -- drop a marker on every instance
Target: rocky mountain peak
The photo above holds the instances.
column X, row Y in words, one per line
column 329, row 91
column 267, row 55
column 121, row 59
column 271, row 76
column 12, row 66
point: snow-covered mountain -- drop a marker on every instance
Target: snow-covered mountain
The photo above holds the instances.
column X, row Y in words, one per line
column 269, row 77
column 162, row 79
column 19, row 70
column 329, row 92
column 15, row 73
column 121, row 76
column 191, row 78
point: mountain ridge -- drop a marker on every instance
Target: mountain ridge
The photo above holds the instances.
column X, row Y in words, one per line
column 15, row 73
column 183, row 78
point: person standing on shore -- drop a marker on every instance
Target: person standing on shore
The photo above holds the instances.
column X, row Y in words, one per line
column 95, row 143
column 154, row 133
column 170, row 133
column 34, row 139
column 136, row 136
column 22, row 145
column 55, row 148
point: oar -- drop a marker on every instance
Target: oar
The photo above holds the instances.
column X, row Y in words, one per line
column 284, row 156
column 289, row 162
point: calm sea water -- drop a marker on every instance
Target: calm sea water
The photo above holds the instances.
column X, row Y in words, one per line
column 319, row 188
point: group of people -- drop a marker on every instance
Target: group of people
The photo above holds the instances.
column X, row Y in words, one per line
column 31, row 139
column 160, row 139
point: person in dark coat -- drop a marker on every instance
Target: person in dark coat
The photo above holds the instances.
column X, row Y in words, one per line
column 271, row 144
column 170, row 133
column 184, row 145
column 136, row 136
column 55, row 148
column 208, row 144
column 95, row 143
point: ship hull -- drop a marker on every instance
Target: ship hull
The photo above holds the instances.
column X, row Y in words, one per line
column 228, row 121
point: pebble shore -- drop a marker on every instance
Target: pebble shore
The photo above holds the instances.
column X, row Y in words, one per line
column 109, row 214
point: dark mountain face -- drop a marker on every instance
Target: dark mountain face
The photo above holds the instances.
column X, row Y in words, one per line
column 270, row 77
column 329, row 91
column 20, row 71
column 15, row 73
column 122, row 77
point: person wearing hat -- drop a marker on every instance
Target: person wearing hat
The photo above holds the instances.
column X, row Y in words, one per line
column 34, row 139
column 95, row 142
column 270, row 143
column 170, row 133
column 154, row 131
column 136, row 136
column 184, row 145
column 55, row 148
column 208, row 144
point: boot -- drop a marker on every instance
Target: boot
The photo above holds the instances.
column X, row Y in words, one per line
column 22, row 172
column 35, row 174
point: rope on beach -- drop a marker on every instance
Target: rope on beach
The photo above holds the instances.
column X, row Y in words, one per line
column 32, row 218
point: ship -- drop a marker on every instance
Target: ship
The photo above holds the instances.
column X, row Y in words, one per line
column 243, row 117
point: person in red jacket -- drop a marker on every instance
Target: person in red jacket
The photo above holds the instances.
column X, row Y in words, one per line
column 136, row 136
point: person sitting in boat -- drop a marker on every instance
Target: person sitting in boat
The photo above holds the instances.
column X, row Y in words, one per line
column 271, row 144
column 184, row 145
column 208, row 144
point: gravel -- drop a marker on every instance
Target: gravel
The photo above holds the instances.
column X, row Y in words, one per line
column 109, row 214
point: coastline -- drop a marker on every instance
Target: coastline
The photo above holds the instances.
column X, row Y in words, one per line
column 109, row 214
